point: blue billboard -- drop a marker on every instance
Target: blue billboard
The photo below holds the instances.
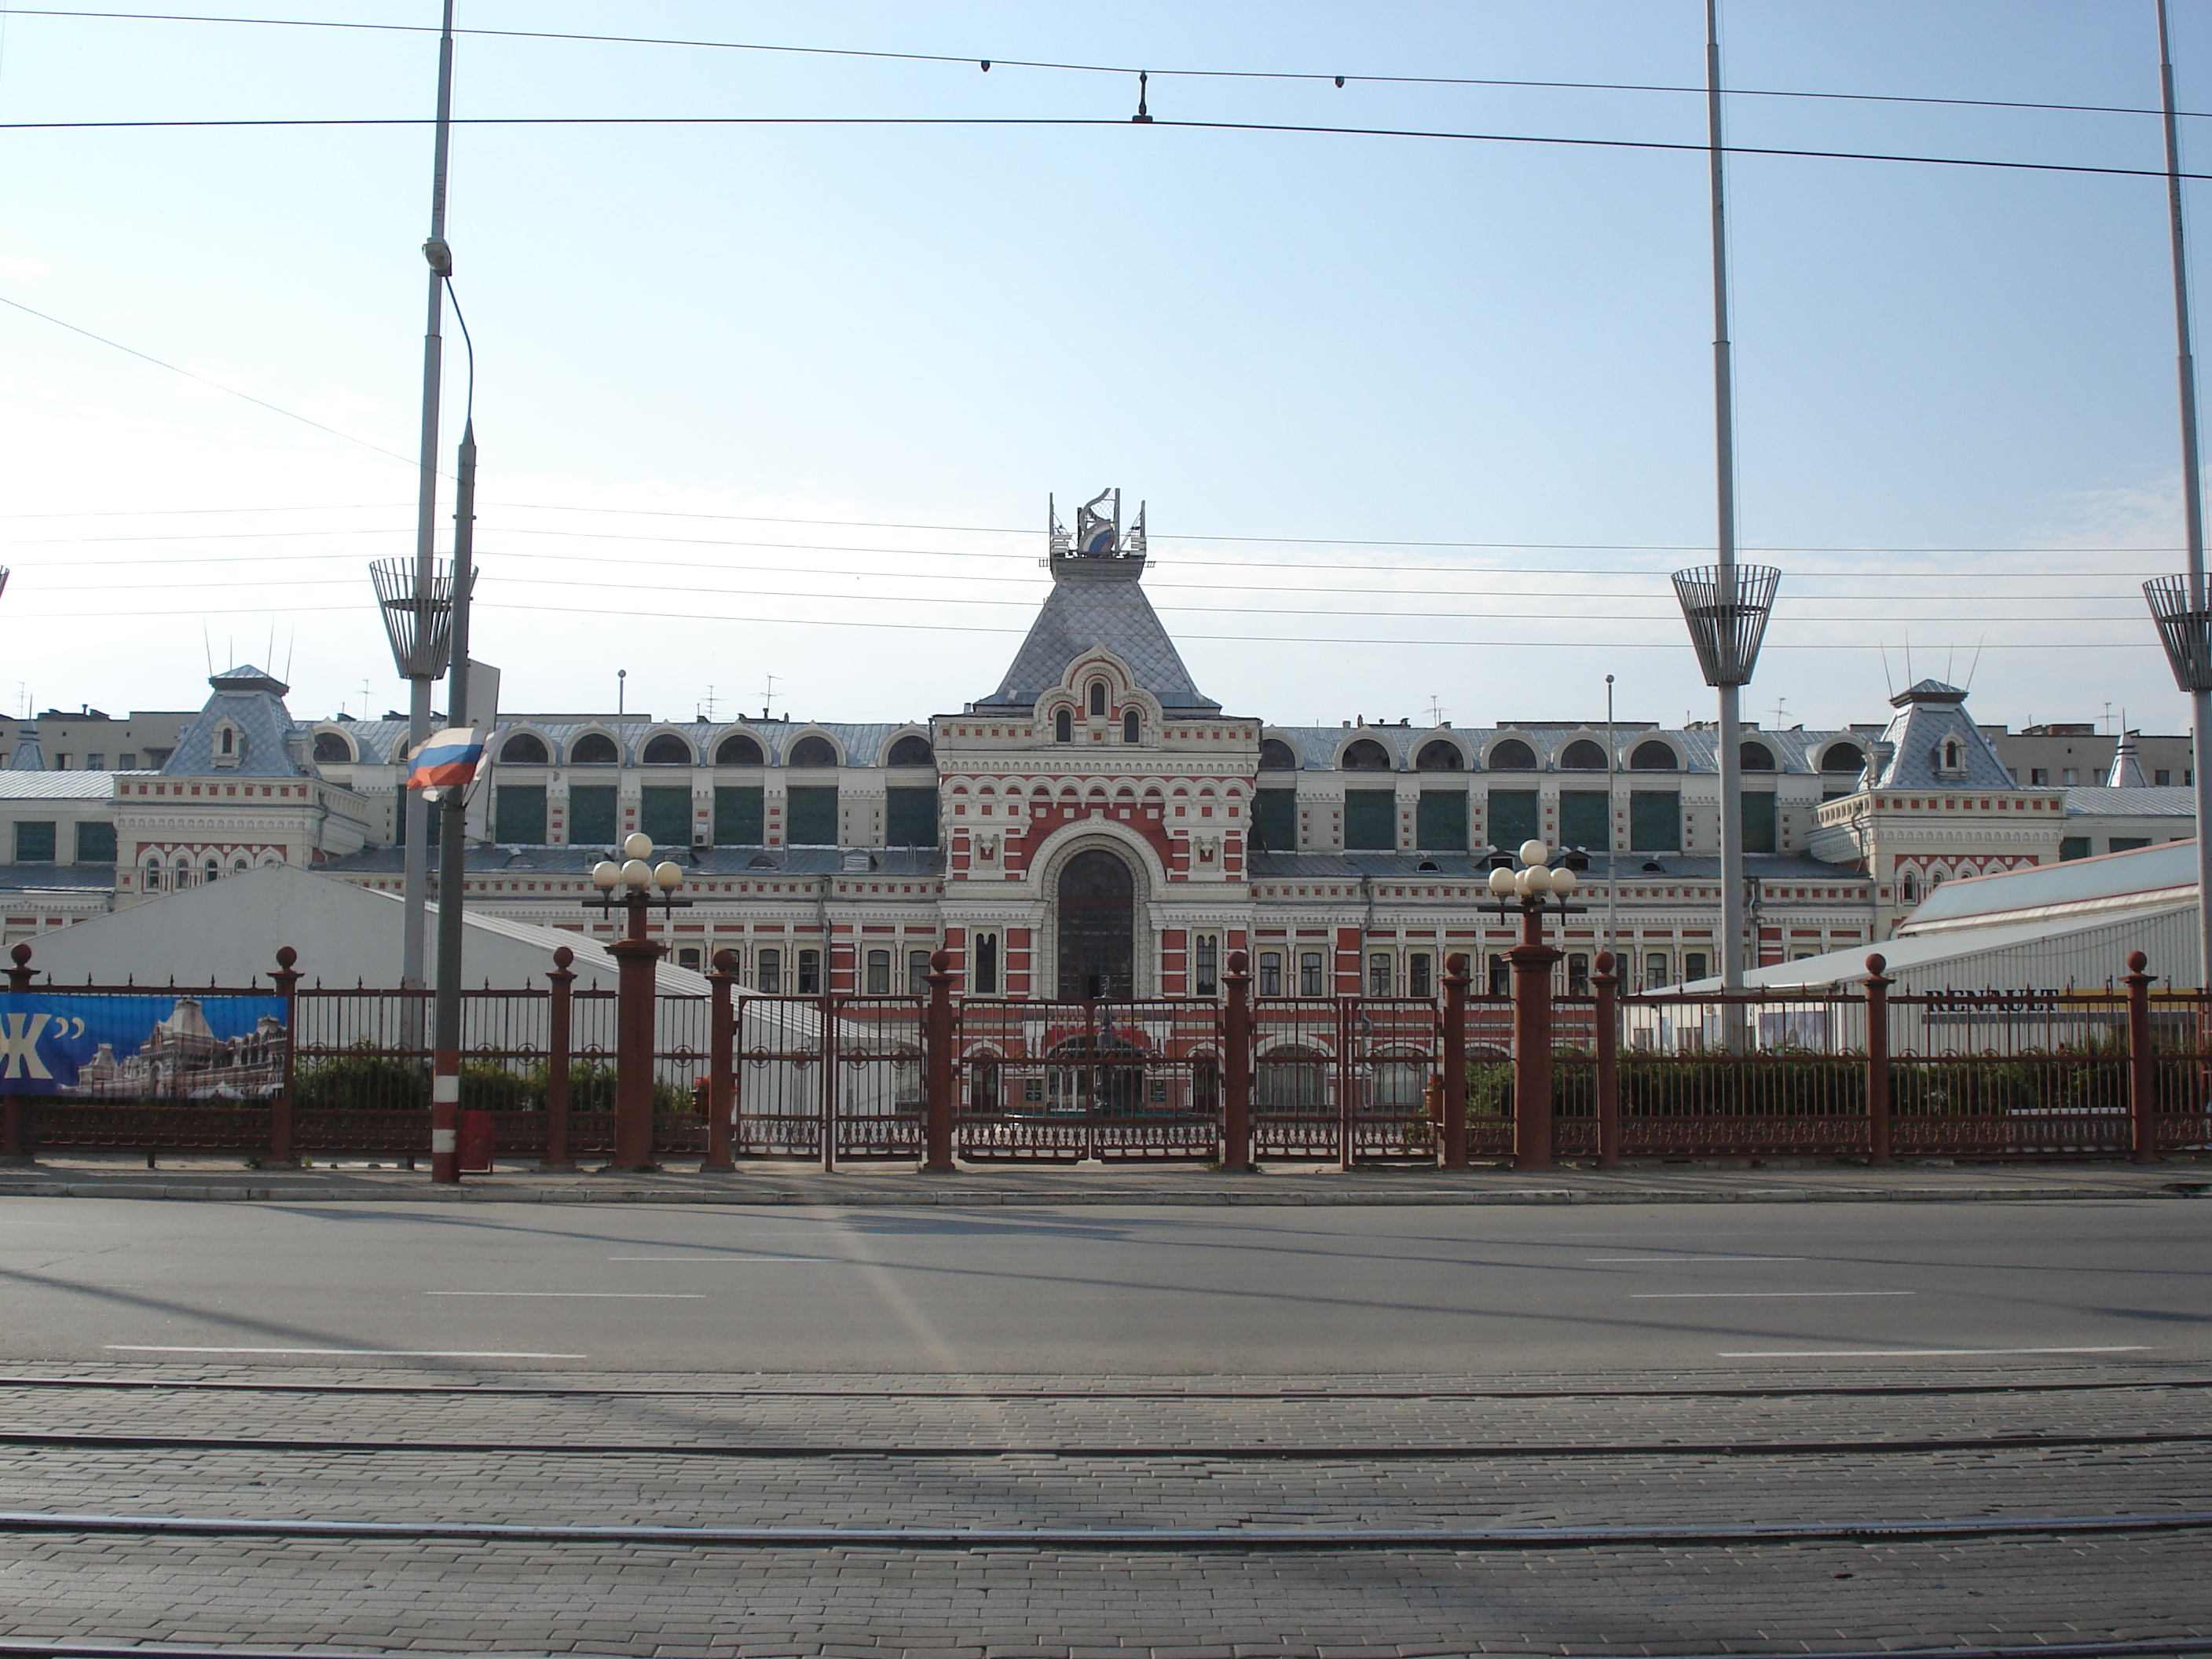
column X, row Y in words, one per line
column 170, row 1047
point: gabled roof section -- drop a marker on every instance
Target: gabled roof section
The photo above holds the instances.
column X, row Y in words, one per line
column 249, row 704
column 1098, row 602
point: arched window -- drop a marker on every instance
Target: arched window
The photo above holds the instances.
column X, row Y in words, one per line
column 1438, row 756
column 1511, row 755
column 229, row 739
column 1908, row 888
column 1950, row 754
column 1843, row 757
column 1366, row 755
column 1276, row 756
column 1097, row 697
column 739, row 750
column 524, row 750
column 812, row 750
column 1582, row 756
column 1755, row 757
column 332, row 750
column 152, row 877
column 593, row 748
column 1132, row 726
column 1653, row 756
column 1063, row 726
column 1291, row 1081
column 666, row 749
column 911, row 751
column 213, row 869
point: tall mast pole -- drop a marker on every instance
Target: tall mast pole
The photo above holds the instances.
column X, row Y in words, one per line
column 416, row 827
column 1733, row 897
column 2192, row 489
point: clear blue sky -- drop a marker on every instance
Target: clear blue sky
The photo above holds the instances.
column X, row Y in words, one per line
column 1338, row 341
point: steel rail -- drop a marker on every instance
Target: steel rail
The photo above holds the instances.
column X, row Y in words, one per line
column 1170, row 1539
column 2144, row 1648
column 1078, row 1451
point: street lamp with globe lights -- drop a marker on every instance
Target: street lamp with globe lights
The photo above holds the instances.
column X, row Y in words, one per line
column 637, row 886
column 1532, row 962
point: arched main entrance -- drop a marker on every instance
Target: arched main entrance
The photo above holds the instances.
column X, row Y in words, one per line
column 1097, row 927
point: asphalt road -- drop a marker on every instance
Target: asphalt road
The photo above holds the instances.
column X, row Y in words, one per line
column 1097, row 1291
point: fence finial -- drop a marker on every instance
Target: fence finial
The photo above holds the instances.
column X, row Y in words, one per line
column 2137, row 962
column 286, row 956
column 562, row 957
column 1877, row 964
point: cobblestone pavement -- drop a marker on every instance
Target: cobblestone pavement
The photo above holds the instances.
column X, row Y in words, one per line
column 996, row 1466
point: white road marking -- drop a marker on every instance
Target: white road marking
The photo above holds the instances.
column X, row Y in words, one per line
column 1764, row 1296
column 1906, row 1353
column 724, row 1260
column 379, row 1353
column 1693, row 1258
column 631, row 1295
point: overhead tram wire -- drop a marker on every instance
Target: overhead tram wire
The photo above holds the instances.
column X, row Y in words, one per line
column 963, row 60
column 1071, row 122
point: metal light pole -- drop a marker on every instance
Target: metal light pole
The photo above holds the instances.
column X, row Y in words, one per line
column 2178, row 603
column 1726, row 605
column 421, row 671
column 1612, row 784
column 1533, row 961
column 635, row 984
column 454, row 846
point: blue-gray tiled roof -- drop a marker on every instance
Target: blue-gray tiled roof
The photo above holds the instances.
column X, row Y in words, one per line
column 1098, row 602
column 252, row 701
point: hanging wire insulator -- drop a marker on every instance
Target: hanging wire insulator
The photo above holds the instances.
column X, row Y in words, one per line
column 1143, row 115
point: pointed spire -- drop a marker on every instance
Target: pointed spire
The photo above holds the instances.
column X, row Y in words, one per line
column 2127, row 771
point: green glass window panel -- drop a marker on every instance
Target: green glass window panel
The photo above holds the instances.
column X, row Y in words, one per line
column 2127, row 843
column 1827, row 795
column 810, row 819
column 591, row 815
column 738, row 817
column 1513, row 817
column 665, row 814
column 1370, row 820
column 1440, row 823
column 519, row 814
column 910, row 817
column 2072, row 847
column 1761, row 830
column 1655, row 820
column 35, row 841
column 1275, row 820
column 96, row 843
column 1586, row 819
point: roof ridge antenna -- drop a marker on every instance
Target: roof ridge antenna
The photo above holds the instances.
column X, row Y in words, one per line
column 1974, row 666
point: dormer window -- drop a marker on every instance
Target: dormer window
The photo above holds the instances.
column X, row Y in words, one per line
column 1098, row 696
column 1950, row 758
column 1063, row 726
column 229, row 744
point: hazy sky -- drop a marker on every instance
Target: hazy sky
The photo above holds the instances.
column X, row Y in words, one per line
column 746, row 387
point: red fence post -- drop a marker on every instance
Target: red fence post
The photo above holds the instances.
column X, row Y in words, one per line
column 557, row 1010
column 937, row 1041
column 14, row 1127
column 1877, row 1076
column 1533, row 961
column 1607, row 984
column 280, row 1109
column 1237, row 1066
column 637, row 990
column 2142, row 1098
column 1454, row 1044
column 721, row 1063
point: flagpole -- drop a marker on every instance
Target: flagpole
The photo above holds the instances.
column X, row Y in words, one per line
column 454, row 844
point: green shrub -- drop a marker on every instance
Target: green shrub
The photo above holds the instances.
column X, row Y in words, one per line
column 362, row 1081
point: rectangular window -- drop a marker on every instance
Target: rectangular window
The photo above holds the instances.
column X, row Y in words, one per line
column 665, row 814
column 1270, row 973
column 688, row 957
column 910, row 816
column 1501, row 977
column 1693, row 965
column 96, row 843
column 1513, row 817
column 1760, row 824
column 1440, row 820
column 1420, row 974
column 738, row 817
column 95, row 762
column 1379, row 975
column 1827, row 795
column 1205, row 964
column 519, row 814
column 1310, row 974
column 878, row 982
column 1370, row 820
column 768, row 972
column 591, row 815
column 2126, row 843
column 1655, row 971
column 983, row 975
column 810, row 819
column 1655, row 820
column 1585, row 819
column 809, row 973
column 1275, row 821
column 2039, row 776
column 2161, row 779
column 917, row 973
column 35, row 841
column 2072, row 847
column 126, row 762
column 2073, row 774
column 1579, row 975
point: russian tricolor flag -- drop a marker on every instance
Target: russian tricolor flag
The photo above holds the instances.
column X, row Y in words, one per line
column 447, row 759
